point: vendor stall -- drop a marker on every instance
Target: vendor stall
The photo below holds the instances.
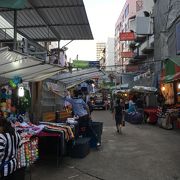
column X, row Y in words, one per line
column 170, row 90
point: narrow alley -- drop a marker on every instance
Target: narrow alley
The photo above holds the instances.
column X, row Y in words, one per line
column 142, row 152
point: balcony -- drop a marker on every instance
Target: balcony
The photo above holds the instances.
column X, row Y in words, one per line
column 140, row 38
column 139, row 56
column 148, row 46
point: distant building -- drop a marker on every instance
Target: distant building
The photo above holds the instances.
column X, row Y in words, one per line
column 110, row 54
column 100, row 52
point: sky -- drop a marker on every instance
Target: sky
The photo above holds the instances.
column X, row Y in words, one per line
column 102, row 16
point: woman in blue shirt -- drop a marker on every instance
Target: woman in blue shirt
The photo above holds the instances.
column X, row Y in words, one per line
column 132, row 107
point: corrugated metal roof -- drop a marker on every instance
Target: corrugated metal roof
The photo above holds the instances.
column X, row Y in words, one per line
column 46, row 20
column 28, row 68
column 77, row 76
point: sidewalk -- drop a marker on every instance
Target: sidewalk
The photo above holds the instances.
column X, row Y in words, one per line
column 142, row 152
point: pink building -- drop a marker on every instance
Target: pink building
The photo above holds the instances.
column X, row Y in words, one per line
column 125, row 23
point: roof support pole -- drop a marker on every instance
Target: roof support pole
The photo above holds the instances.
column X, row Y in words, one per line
column 59, row 52
column 15, row 30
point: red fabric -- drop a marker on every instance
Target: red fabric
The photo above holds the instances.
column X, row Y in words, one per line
column 47, row 134
column 177, row 70
column 162, row 78
column 152, row 114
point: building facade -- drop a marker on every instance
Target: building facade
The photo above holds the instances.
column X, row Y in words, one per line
column 134, row 18
column 110, row 54
column 167, row 48
column 122, row 25
column 100, row 52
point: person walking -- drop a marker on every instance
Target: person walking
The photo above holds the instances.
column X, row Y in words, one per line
column 118, row 115
column 10, row 142
column 90, row 105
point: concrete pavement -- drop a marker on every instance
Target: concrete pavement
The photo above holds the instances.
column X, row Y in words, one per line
column 142, row 152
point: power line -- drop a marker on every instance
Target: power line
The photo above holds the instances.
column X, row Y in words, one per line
column 137, row 63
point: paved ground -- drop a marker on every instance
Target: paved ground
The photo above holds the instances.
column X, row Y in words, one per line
column 143, row 152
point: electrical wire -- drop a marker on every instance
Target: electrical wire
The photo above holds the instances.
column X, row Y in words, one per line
column 137, row 63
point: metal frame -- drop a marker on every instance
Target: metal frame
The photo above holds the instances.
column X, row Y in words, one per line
column 47, row 24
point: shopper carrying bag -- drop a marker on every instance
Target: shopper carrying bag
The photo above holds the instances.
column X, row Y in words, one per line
column 118, row 114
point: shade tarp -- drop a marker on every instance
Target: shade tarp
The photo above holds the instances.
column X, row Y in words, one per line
column 14, row 64
column 171, row 70
column 76, row 77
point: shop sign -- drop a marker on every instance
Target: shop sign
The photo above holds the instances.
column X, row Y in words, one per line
column 127, row 36
column 127, row 54
column 94, row 63
column 80, row 64
column 85, row 64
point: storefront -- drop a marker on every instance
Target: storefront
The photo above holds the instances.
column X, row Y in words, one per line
column 170, row 81
column 170, row 89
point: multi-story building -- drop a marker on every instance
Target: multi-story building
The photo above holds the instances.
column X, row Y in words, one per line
column 134, row 36
column 100, row 52
column 167, row 48
column 122, row 25
column 110, row 54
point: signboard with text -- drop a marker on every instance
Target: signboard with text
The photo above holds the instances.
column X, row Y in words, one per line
column 85, row 64
column 127, row 36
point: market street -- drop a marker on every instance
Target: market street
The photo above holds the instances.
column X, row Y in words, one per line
column 143, row 152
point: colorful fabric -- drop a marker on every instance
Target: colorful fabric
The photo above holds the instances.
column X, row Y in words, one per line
column 57, row 127
column 28, row 153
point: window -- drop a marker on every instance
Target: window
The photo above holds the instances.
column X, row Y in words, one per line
column 178, row 39
column 126, row 27
column 126, row 11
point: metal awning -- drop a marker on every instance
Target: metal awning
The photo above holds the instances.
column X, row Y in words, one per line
column 76, row 77
column 50, row 20
column 28, row 68
column 81, row 78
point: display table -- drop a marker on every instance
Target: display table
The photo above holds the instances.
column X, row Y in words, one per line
column 151, row 114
